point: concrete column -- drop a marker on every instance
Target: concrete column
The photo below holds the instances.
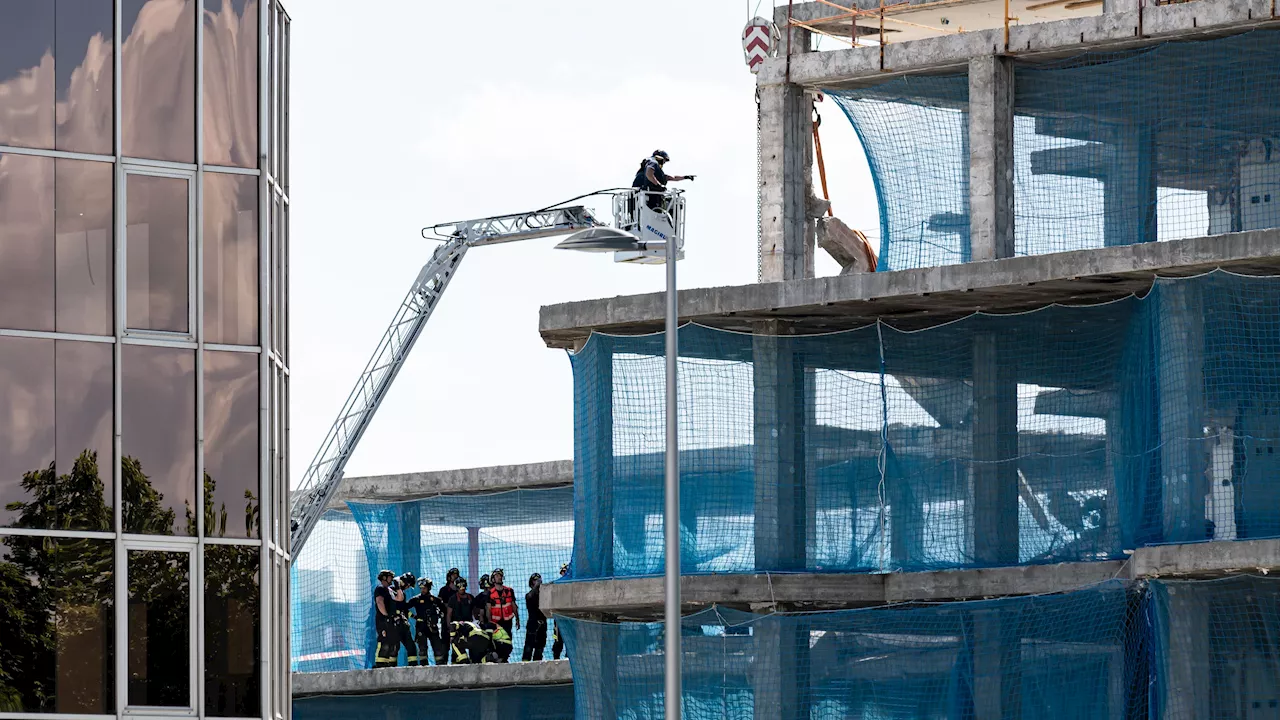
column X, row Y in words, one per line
column 781, row 670
column 1180, row 373
column 473, row 560
column 489, row 705
column 786, row 172
column 410, row 538
column 781, row 511
column 1129, row 193
column 995, row 452
column 997, row 665
column 991, row 158
column 593, row 458
column 1188, row 647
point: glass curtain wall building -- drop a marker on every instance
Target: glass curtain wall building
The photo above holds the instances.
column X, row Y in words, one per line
column 144, row 358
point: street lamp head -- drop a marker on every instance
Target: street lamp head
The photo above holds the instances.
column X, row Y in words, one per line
column 601, row 239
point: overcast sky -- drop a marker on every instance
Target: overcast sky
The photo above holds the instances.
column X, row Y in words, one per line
column 415, row 112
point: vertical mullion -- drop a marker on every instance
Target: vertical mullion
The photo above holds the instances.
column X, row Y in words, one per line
column 266, row 496
column 120, row 646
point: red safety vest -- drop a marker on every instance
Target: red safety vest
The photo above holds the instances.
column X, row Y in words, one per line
column 502, row 604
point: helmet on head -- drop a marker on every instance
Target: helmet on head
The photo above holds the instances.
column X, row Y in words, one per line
column 460, row 583
column 564, row 569
column 408, row 580
column 384, row 574
column 661, row 155
column 453, row 574
column 425, row 584
column 494, row 575
column 485, row 583
column 535, row 577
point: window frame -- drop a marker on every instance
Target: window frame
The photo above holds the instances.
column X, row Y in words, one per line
column 195, row 612
column 127, row 169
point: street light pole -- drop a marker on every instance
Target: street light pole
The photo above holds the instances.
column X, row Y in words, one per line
column 636, row 240
column 671, row 516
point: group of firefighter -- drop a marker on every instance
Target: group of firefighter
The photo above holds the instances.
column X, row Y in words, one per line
column 458, row 627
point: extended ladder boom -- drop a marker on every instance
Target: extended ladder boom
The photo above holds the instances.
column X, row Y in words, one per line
column 324, row 476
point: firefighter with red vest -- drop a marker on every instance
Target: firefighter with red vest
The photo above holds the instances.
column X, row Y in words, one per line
column 502, row 603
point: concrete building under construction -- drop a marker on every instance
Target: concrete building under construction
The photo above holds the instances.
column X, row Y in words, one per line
column 1024, row 469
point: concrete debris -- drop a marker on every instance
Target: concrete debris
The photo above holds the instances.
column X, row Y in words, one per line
column 849, row 247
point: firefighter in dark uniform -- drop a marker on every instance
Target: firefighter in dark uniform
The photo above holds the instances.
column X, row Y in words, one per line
column 458, row 645
column 653, row 180
column 391, row 621
column 446, row 594
column 480, row 603
column 557, row 642
column 535, row 637
column 479, row 644
column 428, row 612
column 459, row 604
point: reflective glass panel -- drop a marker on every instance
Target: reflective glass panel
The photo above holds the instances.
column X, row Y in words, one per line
column 26, row 420
column 231, row 642
column 159, row 628
column 157, row 253
column 84, row 65
column 55, row 434
column 231, row 82
column 158, row 85
column 231, row 259
column 26, row 253
column 57, row 622
column 231, row 444
column 83, row 247
column 159, row 443
column 26, row 73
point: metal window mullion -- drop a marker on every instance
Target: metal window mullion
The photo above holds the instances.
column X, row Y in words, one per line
column 120, row 646
column 266, row 500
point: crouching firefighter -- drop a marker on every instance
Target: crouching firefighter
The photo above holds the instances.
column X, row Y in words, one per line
column 429, row 611
column 458, row 643
column 479, row 644
column 391, row 621
column 502, row 645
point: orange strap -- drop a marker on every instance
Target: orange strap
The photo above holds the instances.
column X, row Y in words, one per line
column 822, row 167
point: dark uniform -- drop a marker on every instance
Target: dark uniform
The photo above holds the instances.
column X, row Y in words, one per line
column 428, row 611
column 393, row 630
column 458, row 645
column 557, row 643
column 480, row 605
column 461, row 606
column 642, row 182
column 479, row 644
column 535, row 636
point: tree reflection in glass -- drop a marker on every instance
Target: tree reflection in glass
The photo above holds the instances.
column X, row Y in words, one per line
column 57, row 618
column 159, row 663
column 232, row 648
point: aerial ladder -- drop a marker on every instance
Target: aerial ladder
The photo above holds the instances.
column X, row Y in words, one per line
column 324, row 476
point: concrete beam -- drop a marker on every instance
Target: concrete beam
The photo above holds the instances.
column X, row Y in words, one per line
column 414, row 486
column 641, row 598
column 923, row 296
column 1125, row 26
column 421, row 679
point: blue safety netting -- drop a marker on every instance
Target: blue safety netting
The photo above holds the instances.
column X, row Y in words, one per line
column 1216, row 648
column 1076, row 655
column 521, row 531
column 1064, row 434
column 550, row 702
column 1176, row 140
